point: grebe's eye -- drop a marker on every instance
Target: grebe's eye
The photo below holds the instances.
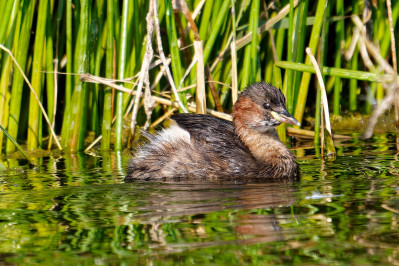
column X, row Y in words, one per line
column 266, row 105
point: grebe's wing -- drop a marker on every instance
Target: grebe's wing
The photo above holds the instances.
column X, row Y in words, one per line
column 201, row 126
column 209, row 129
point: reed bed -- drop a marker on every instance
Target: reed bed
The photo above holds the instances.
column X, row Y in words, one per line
column 99, row 66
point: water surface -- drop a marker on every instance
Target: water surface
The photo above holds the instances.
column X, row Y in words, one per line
column 78, row 210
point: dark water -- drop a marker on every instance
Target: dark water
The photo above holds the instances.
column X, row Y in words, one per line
column 77, row 210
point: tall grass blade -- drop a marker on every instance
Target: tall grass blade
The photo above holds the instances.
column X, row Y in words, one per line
column 96, row 39
column 107, row 109
column 6, row 68
column 209, row 44
column 69, row 77
column 300, row 44
column 18, row 80
column 176, row 62
column 121, row 75
column 314, row 39
column 51, row 66
column 353, row 86
column 5, row 20
column 340, row 45
column 80, row 93
column 288, row 79
column 251, row 51
column 205, row 19
column 34, row 136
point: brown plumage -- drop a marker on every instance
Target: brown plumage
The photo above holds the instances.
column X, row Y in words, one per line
column 202, row 147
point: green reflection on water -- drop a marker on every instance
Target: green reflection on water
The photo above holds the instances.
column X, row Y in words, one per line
column 77, row 210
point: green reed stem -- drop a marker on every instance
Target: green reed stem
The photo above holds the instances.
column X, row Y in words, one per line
column 314, row 39
column 300, row 43
column 280, row 43
column 209, row 45
column 50, row 88
column 172, row 40
column 339, row 46
column 138, row 38
column 121, row 75
column 52, row 78
column 69, row 77
column 107, row 113
column 80, row 93
column 250, row 56
column 7, row 5
column 4, row 96
column 268, row 57
column 132, row 63
column 255, row 40
column 353, row 82
column 287, row 89
column 7, row 69
column 354, row 66
column 37, row 67
column 18, row 80
column 99, row 54
column 205, row 19
column 176, row 62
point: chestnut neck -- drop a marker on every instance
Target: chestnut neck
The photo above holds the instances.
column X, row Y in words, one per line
column 266, row 146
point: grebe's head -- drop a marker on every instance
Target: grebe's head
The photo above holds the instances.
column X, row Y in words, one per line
column 261, row 107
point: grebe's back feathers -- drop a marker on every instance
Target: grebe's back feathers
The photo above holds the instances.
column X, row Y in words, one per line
column 210, row 129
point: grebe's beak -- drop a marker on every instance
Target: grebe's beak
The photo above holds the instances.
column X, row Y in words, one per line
column 285, row 117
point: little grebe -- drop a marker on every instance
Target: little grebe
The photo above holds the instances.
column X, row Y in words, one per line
column 206, row 147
